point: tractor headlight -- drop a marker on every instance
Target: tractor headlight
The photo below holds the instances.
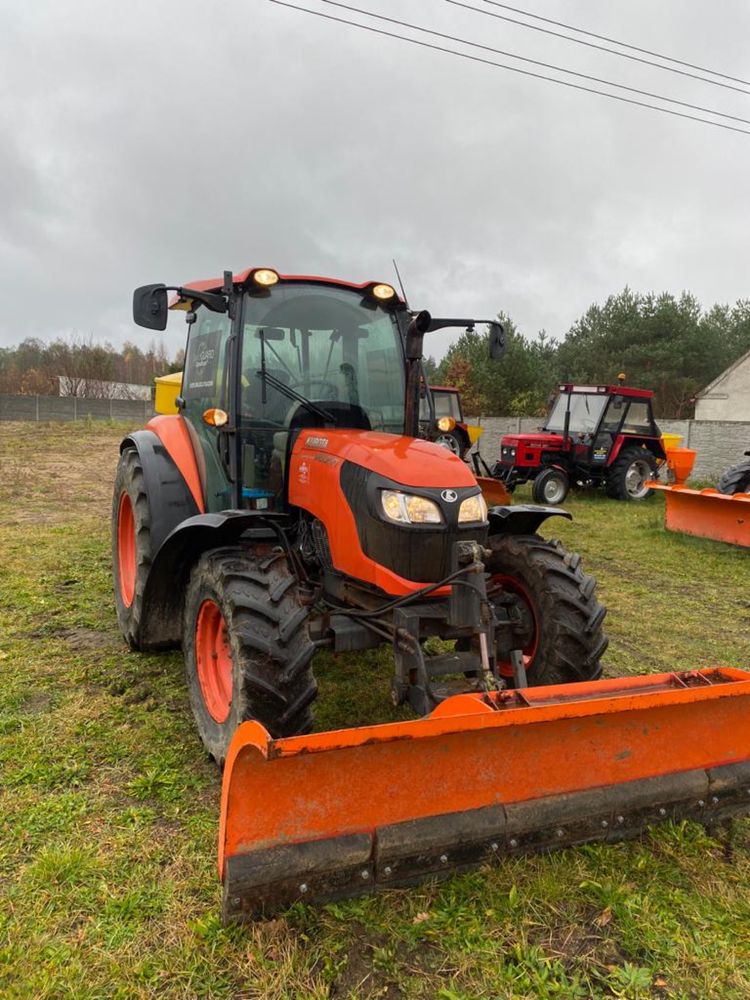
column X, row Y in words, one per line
column 383, row 292
column 406, row 508
column 446, row 424
column 265, row 277
column 473, row 509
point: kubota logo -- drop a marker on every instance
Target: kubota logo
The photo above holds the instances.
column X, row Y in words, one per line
column 450, row 496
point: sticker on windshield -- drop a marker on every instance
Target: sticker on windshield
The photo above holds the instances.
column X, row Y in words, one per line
column 202, row 364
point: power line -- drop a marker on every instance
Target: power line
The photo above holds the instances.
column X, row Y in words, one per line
column 535, row 62
column 512, row 69
column 616, row 41
column 601, row 48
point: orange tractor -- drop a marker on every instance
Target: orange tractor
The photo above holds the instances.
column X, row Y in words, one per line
column 289, row 505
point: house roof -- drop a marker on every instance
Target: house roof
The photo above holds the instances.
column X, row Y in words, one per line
column 720, row 378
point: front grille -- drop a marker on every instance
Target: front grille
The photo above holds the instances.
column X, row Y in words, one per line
column 421, row 553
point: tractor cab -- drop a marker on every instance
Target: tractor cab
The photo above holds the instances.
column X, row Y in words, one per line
column 593, row 435
column 312, row 354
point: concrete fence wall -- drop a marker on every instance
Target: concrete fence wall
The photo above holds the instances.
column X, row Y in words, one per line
column 719, row 443
column 73, row 408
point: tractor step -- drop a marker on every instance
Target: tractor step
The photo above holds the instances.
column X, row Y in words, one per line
column 335, row 814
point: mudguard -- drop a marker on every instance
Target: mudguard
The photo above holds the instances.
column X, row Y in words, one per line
column 165, row 587
column 170, row 498
column 522, row 519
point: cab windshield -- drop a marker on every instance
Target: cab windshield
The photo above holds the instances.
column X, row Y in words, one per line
column 320, row 345
column 586, row 409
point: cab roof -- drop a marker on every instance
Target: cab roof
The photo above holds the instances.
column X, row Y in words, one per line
column 608, row 390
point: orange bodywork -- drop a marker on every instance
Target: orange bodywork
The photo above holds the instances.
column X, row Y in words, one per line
column 314, row 485
column 707, row 513
column 476, row 751
column 173, row 433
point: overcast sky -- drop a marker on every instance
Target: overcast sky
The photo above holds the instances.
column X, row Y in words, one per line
column 166, row 141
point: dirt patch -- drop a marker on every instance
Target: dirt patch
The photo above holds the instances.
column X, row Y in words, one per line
column 37, row 703
column 87, row 638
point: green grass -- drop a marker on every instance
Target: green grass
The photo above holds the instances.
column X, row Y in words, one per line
column 109, row 807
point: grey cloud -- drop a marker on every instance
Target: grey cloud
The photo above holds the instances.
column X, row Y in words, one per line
column 168, row 141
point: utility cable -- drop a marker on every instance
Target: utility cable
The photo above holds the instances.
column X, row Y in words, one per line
column 616, row 41
column 601, row 48
column 513, row 69
column 527, row 59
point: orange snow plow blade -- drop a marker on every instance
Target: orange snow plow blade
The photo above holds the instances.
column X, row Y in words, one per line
column 707, row 513
column 339, row 813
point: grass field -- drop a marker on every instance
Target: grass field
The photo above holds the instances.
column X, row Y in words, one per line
column 108, row 806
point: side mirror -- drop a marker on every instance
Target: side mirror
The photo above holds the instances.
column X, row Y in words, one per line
column 497, row 341
column 150, row 307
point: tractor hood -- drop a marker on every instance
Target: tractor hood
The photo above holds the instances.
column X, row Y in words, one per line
column 536, row 440
column 404, row 460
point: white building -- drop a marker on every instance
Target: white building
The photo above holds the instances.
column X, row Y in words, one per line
column 98, row 389
column 728, row 396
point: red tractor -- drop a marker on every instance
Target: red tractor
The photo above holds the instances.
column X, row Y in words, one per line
column 594, row 435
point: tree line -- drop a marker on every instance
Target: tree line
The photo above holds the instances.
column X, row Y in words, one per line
column 667, row 344
column 88, row 368
column 660, row 342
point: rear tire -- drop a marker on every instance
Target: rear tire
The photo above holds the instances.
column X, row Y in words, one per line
column 628, row 473
column 735, row 480
column 255, row 661
column 550, row 486
column 131, row 545
column 564, row 640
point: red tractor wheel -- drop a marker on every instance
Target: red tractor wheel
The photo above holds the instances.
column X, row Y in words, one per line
column 561, row 634
column 131, row 544
column 248, row 654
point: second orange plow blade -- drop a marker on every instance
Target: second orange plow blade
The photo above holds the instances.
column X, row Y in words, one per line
column 340, row 813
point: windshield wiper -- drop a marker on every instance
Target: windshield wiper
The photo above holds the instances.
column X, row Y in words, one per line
column 292, row 394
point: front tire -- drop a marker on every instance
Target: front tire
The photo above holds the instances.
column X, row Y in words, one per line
column 248, row 653
column 131, row 545
column 735, row 479
column 550, row 487
column 628, row 474
column 562, row 639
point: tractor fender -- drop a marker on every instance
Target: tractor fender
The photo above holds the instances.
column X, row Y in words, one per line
column 170, row 499
column 654, row 445
column 170, row 569
column 522, row 519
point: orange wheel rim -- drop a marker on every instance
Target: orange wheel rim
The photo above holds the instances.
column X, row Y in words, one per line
column 214, row 660
column 528, row 609
column 126, row 561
